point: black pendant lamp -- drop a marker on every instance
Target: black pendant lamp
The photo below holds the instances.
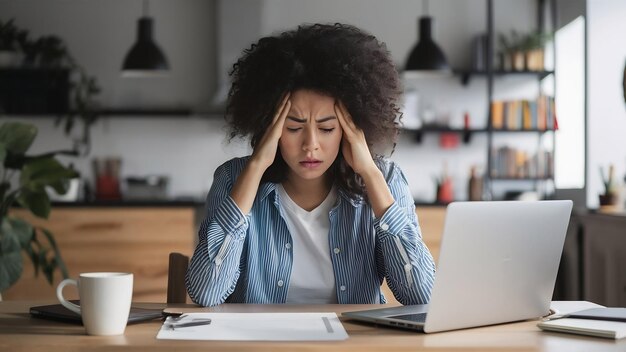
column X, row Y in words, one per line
column 426, row 55
column 145, row 57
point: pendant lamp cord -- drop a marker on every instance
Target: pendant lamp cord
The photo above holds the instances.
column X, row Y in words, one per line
column 425, row 7
column 146, row 8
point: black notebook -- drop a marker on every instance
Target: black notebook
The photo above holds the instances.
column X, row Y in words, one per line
column 59, row 313
column 612, row 314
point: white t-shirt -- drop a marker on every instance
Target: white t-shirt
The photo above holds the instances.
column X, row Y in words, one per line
column 312, row 277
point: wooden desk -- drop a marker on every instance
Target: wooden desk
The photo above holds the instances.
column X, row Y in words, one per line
column 19, row 332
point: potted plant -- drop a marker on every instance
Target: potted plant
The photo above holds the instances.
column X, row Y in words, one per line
column 534, row 44
column 512, row 51
column 608, row 197
column 9, row 33
column 24, row 179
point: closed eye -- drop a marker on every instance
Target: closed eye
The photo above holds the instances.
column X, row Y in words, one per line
column 327, row 130
column 294, row 129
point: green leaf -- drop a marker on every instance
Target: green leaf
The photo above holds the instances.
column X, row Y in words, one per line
column 69, row 125
column 46, row 258
column 14, row 161
column 3, row 153
column 11, row 265
column 4, row 187
column 19, row 228
column 60, row 186
column 33, row 257
column 17, row 137
column 57, row 253
column 38, row 173
column 36, row 201
column 45, row 267
column 35, row 249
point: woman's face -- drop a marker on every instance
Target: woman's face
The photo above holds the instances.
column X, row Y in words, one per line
column 311, row 136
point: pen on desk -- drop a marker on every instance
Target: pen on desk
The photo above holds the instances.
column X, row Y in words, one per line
column 189, row 324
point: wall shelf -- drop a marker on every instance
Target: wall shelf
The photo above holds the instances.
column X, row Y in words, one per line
column 467, row 74
column 114, row 112
column 530, row 113
column 534, row 130
column 543, row 161
column 443, row 129
column 146, row 112
column 164, row 112
column 547, row 178
column 34, row 90
column 466, row 133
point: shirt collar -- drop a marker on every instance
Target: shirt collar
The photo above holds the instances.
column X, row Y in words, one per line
column 268, row 188
column 265, row 189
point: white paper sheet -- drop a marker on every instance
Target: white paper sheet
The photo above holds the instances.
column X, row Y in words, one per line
column 258, row 327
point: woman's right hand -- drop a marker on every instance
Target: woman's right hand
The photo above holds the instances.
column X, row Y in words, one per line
column 265, row 151
column 247, row 184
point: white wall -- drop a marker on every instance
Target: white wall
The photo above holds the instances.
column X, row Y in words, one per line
column 202, row 38
column 187, row 149
column 606, row 119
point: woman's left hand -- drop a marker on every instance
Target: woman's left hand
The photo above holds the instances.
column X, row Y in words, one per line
column 354, row 145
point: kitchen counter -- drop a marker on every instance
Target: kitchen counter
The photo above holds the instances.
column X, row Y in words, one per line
column 132, row 203
column 186, row 202
column 134, row 237
column 609, row 211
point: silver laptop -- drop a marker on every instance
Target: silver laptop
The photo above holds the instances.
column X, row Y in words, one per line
column 498, row 263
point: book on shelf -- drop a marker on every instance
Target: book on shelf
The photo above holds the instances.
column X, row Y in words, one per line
column 520, row 115
column 508, row 162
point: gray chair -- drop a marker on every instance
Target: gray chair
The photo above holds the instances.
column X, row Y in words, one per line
column 176, row 291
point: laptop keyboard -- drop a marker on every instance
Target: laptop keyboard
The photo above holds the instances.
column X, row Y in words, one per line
column 418, row 318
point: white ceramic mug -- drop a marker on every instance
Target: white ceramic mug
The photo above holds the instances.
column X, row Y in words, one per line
column 105, row 300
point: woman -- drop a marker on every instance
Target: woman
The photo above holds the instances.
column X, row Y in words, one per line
column 311, row 216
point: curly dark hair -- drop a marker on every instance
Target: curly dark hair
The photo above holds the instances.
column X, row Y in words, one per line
column 337, row 60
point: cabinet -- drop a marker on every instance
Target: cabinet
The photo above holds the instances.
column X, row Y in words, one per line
column 431, row 220
column 118, row 239
column 593, row 263
column 604, row 259
column 45, row 92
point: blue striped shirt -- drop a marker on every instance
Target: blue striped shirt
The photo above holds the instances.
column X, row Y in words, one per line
column 247, row 258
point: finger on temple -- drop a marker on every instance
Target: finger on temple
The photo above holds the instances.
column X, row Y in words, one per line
column 340, row 115
column 285, row 111
column 347, row 115
column 281, row 106
column 345, row 122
